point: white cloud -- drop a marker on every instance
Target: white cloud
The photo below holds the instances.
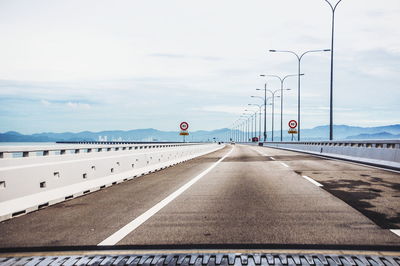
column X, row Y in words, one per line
column 154, row 62
column 237, row 110
column 45, row 103
column 76, row 105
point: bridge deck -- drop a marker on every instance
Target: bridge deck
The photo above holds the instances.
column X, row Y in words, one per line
column 255, row 195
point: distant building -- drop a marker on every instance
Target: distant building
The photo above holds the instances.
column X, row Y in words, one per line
column 102, row 138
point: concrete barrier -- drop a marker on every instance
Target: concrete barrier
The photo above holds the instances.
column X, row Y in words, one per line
column 385, row 153
column 32, row 178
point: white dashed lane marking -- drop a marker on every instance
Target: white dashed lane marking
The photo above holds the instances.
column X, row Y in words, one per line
column 285, row 165
column 312, row 181
column 395, row 231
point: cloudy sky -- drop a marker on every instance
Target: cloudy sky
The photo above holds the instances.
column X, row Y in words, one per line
column 101, row 65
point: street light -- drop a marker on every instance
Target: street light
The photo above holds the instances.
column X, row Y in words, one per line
column 241, row 131
column 235, row 132
column 265, row 111
column 273, row 110
column 299, row 57
column 265, row 103
column 255, row 122
column 282, row 80
column 248, row 116
column 259, row 119
column 273, row 107
column 333, row 8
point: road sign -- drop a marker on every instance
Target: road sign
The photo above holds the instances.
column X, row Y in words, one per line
column 292, row 123
column 184, row 133
column 292, row 131
column 184, row 126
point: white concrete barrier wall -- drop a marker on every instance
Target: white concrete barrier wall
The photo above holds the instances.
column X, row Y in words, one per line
column 46, row 175
column 381, row 152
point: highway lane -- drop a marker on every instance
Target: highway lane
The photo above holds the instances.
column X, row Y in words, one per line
column 90, row 219
column 372, row 191
column 248, row 197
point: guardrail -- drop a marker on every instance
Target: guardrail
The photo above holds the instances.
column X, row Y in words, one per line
column 63, row 149
column 33, row 177
column 376, row 152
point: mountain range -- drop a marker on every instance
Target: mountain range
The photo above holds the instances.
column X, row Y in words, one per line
column 341, row 132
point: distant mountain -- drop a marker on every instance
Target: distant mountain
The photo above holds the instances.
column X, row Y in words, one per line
column 12, row 136
column 344, row 132
column 150, row 134
column 382, row 135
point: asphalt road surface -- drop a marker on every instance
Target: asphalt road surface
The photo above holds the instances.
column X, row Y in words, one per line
column 237, row 195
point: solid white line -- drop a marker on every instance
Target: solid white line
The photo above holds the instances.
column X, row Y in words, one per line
column 124, row 231
column 313, row 181
column 285, row 165
column 395, row 231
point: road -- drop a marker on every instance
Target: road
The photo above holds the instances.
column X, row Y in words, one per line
column 237, row 195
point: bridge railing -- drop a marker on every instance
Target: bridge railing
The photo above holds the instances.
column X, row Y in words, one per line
column 61, row 172
column 379, row 152
column 66, row 149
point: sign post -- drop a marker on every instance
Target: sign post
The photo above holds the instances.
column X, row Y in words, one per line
column 292, row 127
column 184, row 127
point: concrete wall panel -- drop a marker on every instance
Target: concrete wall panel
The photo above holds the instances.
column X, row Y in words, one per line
column 31, row 182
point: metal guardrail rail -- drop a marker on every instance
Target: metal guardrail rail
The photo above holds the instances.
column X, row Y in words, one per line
column 381, row 153
column 389, row 144
column 79, row 148
column 117, row 142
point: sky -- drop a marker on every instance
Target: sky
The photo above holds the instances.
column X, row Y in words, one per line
column 73, row 65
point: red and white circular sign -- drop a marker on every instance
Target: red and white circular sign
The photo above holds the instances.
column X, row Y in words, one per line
column 184, row 126
column 292, row 123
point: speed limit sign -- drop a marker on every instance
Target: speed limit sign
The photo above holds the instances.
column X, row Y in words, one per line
column 184, row 126
column 292, row 123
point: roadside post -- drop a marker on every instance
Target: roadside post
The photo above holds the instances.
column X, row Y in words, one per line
column 184, row 126
column 292, row 128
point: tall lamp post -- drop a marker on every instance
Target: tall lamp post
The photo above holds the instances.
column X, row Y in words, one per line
column 299, row 57
column 241, row 129
column 333, row 8
column 265, row 111
column 237, row 136
column 259, row 119
column 264, row 99
column 265, row 103
column 247, row 116
column 235, row 130
column 240, row 133
column 282, row 80
column 255, row 122
column 273, row 109
column 244, row 126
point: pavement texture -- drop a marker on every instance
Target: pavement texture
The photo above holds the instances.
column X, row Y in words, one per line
column 256, row 195
column 372, row 191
